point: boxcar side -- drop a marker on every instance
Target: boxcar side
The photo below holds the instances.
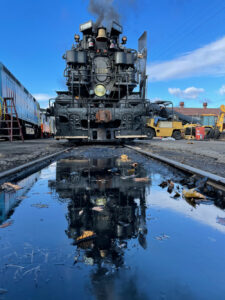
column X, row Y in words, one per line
column 27, row 107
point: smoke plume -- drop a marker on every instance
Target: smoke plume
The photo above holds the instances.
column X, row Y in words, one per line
column 104, row 11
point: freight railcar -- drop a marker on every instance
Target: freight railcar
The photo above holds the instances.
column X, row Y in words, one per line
column 47, row 125
column 105, row 100
column 27, row 107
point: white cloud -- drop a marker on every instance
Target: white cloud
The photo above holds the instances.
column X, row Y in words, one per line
column 189, row 93
column 156, row 99
column 222, row 90
column 208, row 60
column 42, row 97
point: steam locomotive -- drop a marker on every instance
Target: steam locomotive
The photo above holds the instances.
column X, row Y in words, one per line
column 105, row 100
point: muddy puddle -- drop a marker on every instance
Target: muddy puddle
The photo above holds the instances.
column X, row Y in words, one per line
column 97, row 225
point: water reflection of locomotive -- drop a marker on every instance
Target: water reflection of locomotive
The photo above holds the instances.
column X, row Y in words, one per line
column 108, row 184
column 102, row 74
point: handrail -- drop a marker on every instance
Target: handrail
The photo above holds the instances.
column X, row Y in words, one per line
column 81, row 78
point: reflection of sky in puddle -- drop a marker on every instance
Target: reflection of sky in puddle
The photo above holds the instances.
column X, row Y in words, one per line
column 205, row 213
column 148, row 245
column 49, row 173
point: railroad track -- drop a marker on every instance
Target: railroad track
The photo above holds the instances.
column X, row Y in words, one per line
column 30, row 167
column 16, row 173
column 215, row 181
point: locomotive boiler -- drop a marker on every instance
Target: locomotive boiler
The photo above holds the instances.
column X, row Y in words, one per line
column 106, row 81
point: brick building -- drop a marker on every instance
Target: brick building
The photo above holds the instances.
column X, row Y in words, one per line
column 196, row 112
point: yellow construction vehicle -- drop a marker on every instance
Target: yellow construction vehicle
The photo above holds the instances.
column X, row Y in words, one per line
column 214, row 121
column 189, row 131
column 165, row 127
column 213, row 124
column 221, row 119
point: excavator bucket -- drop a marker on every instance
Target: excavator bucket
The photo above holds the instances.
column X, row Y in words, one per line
column 222, row 108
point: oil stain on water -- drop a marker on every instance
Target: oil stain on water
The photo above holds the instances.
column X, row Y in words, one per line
column 97, row 225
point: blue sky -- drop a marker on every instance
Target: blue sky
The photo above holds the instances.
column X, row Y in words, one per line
column 186, row 44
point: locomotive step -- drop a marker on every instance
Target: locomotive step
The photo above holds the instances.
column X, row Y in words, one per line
column 1, row 136
column 9, row 128
column 6, row 121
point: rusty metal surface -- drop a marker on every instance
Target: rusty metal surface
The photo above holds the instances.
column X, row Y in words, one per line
column 103, row 116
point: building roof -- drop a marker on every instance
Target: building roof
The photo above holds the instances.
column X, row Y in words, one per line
column 197, row 111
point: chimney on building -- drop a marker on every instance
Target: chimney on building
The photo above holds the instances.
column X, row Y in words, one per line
column 205, row 104
column 181, row 104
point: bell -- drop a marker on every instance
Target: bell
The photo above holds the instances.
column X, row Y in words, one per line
column 101, row 35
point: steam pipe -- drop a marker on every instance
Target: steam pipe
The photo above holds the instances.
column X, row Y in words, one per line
column 187, row 119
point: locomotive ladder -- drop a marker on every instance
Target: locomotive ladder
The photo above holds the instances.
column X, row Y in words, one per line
column 10, row 118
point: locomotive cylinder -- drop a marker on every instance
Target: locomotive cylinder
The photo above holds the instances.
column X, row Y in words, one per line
column 76, row 57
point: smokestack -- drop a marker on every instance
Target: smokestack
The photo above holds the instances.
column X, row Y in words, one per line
column 205, row 104
column 181, row 104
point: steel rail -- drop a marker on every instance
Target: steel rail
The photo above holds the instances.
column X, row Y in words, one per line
column 214, row 180
column 15, row 170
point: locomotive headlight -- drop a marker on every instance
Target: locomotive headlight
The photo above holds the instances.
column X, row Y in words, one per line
column 100, row 90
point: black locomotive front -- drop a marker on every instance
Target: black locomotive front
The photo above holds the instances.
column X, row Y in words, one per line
column 100, row 104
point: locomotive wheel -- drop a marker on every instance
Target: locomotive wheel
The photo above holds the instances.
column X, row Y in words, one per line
column 150, row 133
column 177, row 135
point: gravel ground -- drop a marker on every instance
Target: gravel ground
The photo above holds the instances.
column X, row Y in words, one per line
column 205, row 155
column 17, row 153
